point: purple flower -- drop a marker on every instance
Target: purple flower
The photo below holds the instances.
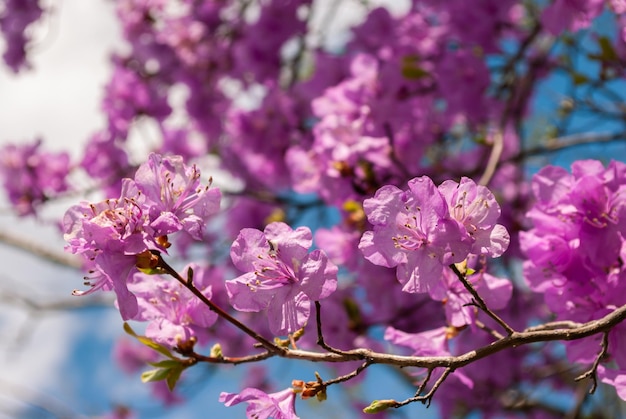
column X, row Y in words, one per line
column 31, row 176
column 280, row 405
column 281, row 277
column 111, row 235
column 413, row 231
column 105, row 159
column 15, row 17
column 174, row 314
column 570, row 15
column 475, row 207
column 130, row 95
column 117, row 235
column 177, row 201
column 615, row 378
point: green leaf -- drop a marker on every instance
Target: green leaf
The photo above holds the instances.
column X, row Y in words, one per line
column 148, row 342
column 174, row 375
column 579, row 78
column 168, row 363
column 608, row 52
column 411, row 69
column 380, row 405
column 155, row 375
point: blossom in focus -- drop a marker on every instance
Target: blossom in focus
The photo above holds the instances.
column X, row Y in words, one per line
column 117, row 236
column 176, row 199
column 281, row 276
column 414, row 232
column 261, row 405
column 475, row 207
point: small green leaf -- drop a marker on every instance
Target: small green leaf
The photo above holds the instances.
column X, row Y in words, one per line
column 148, row 342
column 380, row 405
column 168, row 363
column 579, row 78
column 174, row 375
column 608, row 52
column 411, row 69
column 155, row 375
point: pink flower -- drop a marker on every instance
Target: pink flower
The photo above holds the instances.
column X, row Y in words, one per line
column 117, row 235
column 475, row 207
column 32, row 176
column 413, row 231
column 281, row 277
column 262, row 405
column 174, row 314
column 177, row 200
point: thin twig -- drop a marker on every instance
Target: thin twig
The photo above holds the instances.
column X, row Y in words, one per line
column 320, row 336
column 230, row 360
column 423, row 384
column 592, row 372
column 480, row 302
column 564, row 324
column 348, row 376
column 428, row 396
column 488, row 329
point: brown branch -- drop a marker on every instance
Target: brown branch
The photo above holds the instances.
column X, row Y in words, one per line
column 348, row 376
column 34, row 248
column 483, row 326
column 516, row 339
column 564, row 324
column 229, row 360
column 423, row 384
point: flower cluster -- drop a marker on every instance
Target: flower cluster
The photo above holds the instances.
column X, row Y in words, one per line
column 424, row 228
column 260, row 88
column 15, row 17
column 118, row 236
column 576, row 251
column 174, row 315
column 281, row 276
column 32, row 176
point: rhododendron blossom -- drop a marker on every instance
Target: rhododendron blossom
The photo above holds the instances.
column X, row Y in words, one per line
column 410, row 138
column 117, row 236
column 261, row 405
column 281, row 276
column 419, row 232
